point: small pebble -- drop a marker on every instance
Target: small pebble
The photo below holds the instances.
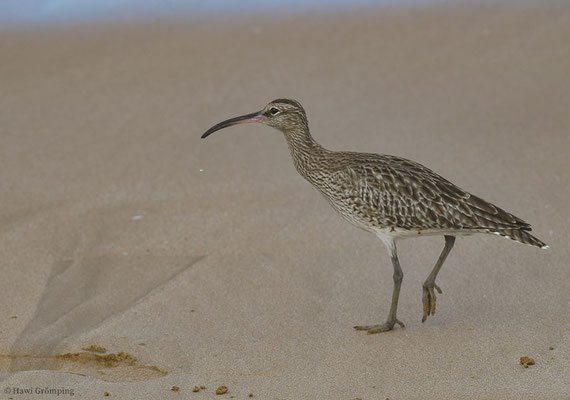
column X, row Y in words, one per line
column 106, row 394
column 550, row 348
column 202, row 387
column 222, row 389
column 175, row 388
column 250, row 395
column 526, row 361
column 195, row 389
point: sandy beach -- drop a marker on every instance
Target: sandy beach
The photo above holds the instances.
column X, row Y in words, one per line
column 139, row 261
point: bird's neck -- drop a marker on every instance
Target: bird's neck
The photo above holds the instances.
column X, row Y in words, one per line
column 306, row 152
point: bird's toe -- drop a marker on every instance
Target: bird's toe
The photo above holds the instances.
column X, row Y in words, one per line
column 429, row 300
column 363, row 327
column 384, row 327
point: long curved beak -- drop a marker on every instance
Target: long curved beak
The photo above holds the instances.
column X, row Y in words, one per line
column 253, row 117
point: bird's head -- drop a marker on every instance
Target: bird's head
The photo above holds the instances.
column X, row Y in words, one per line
column 283, row 114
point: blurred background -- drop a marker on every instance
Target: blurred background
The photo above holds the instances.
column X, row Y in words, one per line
column 42, row 12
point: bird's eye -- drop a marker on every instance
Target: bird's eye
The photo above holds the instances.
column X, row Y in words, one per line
column 273, row 110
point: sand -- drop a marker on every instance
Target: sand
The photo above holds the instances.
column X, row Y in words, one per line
column 211, row 262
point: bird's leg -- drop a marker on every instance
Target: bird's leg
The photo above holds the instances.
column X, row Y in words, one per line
column 428, row 293
column 392, row 320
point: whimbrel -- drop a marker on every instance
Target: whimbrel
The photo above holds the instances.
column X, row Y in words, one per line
column 389, row 196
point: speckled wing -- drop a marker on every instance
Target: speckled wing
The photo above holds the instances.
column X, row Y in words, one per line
column 389, row 191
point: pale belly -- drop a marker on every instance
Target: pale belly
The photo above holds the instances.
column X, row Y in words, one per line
column 394, row 232
column 399, row 233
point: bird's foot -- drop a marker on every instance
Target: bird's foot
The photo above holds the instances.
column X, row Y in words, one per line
column 385, row 327
column 429, row 299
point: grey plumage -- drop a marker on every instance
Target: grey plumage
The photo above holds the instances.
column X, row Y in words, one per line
column 390, row 196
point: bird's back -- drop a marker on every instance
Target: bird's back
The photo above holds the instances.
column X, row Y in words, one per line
column 383, row 192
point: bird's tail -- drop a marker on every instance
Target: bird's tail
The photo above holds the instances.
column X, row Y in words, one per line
column 520, row 235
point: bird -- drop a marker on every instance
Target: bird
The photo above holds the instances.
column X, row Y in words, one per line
column 389, row 196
